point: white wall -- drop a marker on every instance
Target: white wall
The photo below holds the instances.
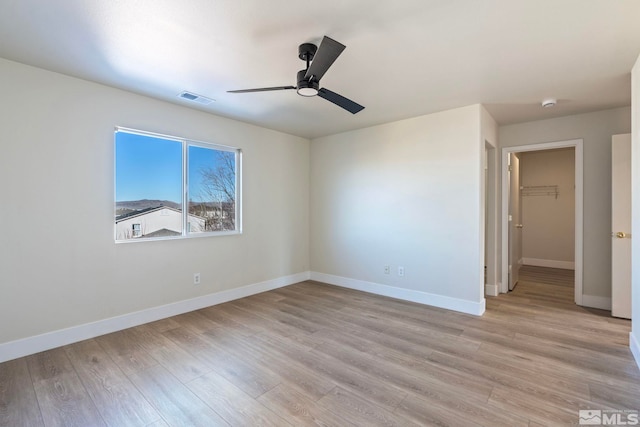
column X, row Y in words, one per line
column 634, row 337
column 548, row 235
column 59, row 265
column 407, row 194
column 595, row 129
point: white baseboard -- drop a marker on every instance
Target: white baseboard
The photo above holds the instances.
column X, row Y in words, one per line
column 635, row 348
column 594, row 301
column 567, row 265
column 26, row 346
column 491, row 290
column 504, row 288
column 464, row 306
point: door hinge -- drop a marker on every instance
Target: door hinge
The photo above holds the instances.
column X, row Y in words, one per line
column 510, row 168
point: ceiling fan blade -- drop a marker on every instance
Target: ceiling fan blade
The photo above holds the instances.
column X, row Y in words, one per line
column 340, row 101
column 262, row 89
column 326, row 55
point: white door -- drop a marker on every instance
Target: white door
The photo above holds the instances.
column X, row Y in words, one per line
column 515, row 226
column 621, row 226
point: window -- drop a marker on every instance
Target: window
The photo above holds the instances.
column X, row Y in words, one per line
column 169, row 187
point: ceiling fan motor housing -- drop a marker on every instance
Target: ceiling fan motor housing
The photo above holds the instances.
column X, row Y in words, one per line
column 306, row 51
column 307, row 87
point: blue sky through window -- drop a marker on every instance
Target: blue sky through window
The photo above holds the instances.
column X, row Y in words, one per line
column 148, row 167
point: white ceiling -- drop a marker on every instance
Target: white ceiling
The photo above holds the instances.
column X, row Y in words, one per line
column 404, row 58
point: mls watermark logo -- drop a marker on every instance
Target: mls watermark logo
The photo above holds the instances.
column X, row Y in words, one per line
column 590, row 417
column 599, row 417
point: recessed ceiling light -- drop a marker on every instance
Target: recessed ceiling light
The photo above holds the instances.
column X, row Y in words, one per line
column 190, row 96
column 549, row 102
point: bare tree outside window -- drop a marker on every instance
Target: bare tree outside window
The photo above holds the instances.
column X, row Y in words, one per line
column 217, row 193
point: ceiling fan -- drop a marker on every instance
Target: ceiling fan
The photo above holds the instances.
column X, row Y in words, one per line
column 318, row 59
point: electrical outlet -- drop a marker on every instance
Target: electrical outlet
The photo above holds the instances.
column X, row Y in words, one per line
column 387, row 269
column 400, row 271
column 196, row 278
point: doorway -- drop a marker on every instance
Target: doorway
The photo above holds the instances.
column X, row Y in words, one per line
column 512, row 225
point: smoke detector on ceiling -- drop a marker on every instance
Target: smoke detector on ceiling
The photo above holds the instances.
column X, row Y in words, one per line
column 549, row 102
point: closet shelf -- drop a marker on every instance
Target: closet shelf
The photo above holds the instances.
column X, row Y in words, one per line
column 540, row 190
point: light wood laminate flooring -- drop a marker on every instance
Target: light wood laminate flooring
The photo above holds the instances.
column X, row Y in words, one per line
column 314, row 354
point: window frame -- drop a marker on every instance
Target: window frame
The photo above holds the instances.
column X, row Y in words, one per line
column 186, row 143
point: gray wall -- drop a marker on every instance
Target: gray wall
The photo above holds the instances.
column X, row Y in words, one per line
column 59, row 265
column 407, row 193
column 548, row 216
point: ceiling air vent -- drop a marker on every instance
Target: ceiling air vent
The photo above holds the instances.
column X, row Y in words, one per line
column 189, row 96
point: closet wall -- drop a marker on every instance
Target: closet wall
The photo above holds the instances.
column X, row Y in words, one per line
column 548, row 207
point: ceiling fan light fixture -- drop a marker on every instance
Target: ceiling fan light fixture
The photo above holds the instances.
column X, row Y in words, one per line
column 307, row 86
column 307, row 91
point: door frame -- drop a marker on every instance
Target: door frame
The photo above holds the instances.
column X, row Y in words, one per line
column 577, row 144
column 490, row 197
column 512, row 223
